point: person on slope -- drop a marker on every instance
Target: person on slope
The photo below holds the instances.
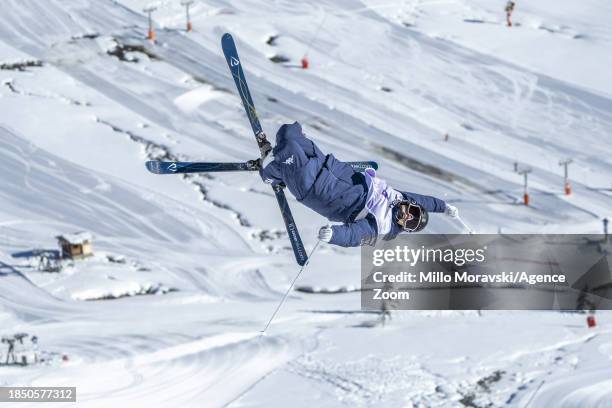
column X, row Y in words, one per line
column 509, row 10
column 366, row 205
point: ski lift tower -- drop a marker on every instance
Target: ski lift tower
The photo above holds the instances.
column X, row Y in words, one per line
column 525, row 174
column 187, row 4
column 149, row 10
column 566, row 183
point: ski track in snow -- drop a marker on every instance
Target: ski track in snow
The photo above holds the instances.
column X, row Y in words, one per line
column 79, row 124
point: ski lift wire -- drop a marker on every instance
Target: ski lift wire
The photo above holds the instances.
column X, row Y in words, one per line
column 316, row 34
column 470, row 231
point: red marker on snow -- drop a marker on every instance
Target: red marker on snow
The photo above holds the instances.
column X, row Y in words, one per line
column 591, row 321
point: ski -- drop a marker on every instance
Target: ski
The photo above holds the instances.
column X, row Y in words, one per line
column 161, row 167
column 233, row 62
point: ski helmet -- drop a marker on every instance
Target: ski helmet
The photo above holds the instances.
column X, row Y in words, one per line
column 412, row 217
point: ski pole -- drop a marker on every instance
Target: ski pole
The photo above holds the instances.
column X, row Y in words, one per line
column 263, row 332
column 470, row 231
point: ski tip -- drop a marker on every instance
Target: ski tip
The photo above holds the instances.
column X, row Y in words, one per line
column 302, row 261
column 374, row 165
column 153, row 167
column 226, row 37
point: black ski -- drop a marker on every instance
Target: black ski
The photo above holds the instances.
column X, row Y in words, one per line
column 161, row 167
column 233, row 62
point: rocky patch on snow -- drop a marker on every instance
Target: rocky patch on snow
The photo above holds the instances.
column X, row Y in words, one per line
column 131, row 289
column 279, row 59
column 14, row 88
column 21, row 66
column 129, row 52
column 332, row 290
column 271, row 41
column 86, row 36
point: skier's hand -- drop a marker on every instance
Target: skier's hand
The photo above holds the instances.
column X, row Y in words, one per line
column 325, row 233
column 451, row 211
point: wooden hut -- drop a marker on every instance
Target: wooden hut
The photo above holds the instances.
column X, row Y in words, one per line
column 76, row 246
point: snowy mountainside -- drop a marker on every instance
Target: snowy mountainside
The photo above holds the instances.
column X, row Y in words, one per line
column 86, row 100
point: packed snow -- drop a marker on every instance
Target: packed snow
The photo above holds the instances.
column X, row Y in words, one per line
column 187, row 270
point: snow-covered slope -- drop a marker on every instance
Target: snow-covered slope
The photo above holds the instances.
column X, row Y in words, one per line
column 85, row 100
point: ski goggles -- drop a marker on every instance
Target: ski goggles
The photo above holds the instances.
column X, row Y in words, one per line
column 409, row 216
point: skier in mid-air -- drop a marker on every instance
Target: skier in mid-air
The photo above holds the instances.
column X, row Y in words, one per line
column 365, row 204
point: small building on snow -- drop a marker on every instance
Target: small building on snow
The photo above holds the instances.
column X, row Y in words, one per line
column 76, row 246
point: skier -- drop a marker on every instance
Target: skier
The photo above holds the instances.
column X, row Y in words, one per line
column 509, row 9
column 365, row 204
column 35, row 348
column 10, row 354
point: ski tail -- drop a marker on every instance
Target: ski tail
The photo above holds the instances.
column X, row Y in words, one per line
column 155, row 167
column 294, row 236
